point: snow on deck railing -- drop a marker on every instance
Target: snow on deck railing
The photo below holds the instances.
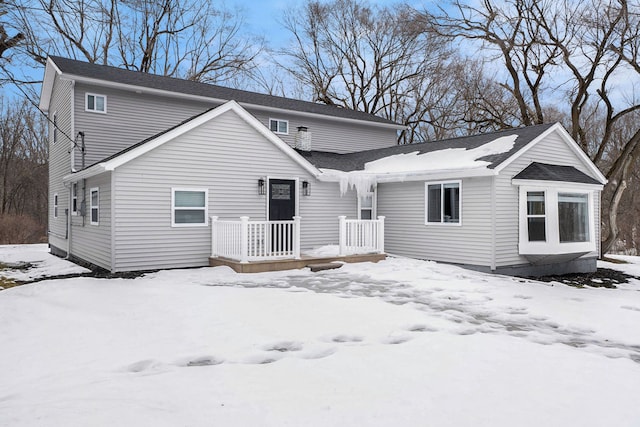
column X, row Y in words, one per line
column 246, row 240
column 361, row 236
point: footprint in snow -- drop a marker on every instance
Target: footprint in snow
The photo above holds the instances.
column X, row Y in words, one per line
column 284, row 346
column 421, row 328
column 200, row 361
column 144, row 365
column 523, row 296
column 347, row 338
column 399, row 339
column 262, row 359
column 630, row 307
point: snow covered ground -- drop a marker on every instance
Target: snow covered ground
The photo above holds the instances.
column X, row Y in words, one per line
column 401, row 342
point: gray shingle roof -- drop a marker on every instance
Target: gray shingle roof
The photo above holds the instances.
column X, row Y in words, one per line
column 356, row 161
column 152, row 81
column 545, row 172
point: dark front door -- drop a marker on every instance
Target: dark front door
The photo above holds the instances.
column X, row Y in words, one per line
column 282, row 207
column 282, row 199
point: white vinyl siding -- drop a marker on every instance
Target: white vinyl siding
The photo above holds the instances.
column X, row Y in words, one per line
column 226, row 157
column 128, row 110
column 403, row 205
column 92, row 243
column 59, row 160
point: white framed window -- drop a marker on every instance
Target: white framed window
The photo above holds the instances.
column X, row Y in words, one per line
column 556, row 219
column 443, row 201
column 94, row 201
column 54, row 126
column 536, row 217
column 367, row 205
column 74, row 198
column 96, row 103
column 279, row 126
column 55, row 205
column 189, row 207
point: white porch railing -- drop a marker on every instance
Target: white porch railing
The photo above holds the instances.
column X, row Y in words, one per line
column 361, row 236
column 246, row 240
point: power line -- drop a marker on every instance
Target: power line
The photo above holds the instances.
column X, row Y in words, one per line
column 32, row 102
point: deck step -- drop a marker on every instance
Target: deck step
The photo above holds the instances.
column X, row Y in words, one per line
column 324, row 266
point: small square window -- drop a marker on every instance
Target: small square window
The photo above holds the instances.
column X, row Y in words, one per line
column 443, row 203
column 96, row 103
column 279, row 126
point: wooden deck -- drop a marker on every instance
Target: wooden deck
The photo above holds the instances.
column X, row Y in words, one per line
column 290, row 264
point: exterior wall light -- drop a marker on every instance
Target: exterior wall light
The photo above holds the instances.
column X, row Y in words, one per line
column 306, row 188
column 261, row 187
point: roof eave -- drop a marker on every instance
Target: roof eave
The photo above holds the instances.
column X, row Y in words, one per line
column 558, row 184
column 50, row 72
column 333, row 175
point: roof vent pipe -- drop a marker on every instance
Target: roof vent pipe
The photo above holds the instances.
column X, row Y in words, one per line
column 303, row 139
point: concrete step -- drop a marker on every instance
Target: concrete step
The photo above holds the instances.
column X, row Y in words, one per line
column 324, row 266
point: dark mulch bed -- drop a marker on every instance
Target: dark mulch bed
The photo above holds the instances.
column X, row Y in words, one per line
column 602, row 278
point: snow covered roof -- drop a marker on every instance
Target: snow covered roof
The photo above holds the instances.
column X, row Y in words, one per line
column 478, row 151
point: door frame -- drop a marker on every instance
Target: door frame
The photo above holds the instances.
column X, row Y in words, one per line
column 296, row 186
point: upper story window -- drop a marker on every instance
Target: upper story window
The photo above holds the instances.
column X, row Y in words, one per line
column 96, row 103
column 279, row 126
column 95, row 206
column 54, row 122
column 443, row 203
column 189, row 207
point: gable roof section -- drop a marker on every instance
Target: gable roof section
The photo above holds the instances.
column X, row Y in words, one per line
column 101, row 74
column 527, row 137
column 143, row 147
column 544, row 172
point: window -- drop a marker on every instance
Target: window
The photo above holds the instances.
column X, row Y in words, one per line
column 443, row 203
column 54, row 131
column 96, row 103
column 536, row 219
column 95, row 206
column 189, row 207
column 556, row 219
column 55, row 205
column 366, row 206
column 74, row 198
column 573, row 217
column 279, row 126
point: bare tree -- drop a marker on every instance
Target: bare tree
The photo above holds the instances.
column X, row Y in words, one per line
column 369, row 58
column 182, row 38
column 580, row 49
column 6, row 41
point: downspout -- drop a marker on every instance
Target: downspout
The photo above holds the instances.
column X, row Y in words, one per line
column 73, row 169
column 493, row 223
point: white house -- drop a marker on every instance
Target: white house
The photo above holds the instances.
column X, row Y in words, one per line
column 150, row 172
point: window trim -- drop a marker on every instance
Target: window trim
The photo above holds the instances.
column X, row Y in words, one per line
column 426, row 203
column 86, row 103
column 278, row 132
column 205, row 208
column 55, row 205
column 91, row 207
column 553, row 246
